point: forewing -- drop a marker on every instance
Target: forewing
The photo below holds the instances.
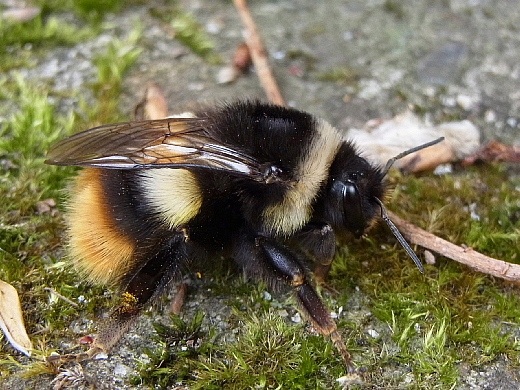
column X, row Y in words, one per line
column 163, row 143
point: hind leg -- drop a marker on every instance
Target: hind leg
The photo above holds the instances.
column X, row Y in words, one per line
column 162, row 263
column 158, row 265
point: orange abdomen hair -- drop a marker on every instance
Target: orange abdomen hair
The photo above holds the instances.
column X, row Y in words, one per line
column 97, row 248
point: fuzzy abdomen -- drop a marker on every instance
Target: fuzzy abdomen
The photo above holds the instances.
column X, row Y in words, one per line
column 96, row 245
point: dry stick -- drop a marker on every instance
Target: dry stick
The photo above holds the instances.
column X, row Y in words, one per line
column 179, row 298
column 259, row 54
column 466, row 256
column 57, row 294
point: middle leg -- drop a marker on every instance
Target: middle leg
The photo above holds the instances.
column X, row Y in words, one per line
column 265, row 258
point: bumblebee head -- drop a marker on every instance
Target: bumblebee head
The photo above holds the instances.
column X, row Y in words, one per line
column 355, row 197
column 351, row 190
column 353, row 194
column 354, row 190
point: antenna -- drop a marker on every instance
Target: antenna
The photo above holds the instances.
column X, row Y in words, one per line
column 384, row 214
column 399, row 236
column 409, row 151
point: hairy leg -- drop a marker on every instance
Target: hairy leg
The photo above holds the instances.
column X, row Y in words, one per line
column 265, row 258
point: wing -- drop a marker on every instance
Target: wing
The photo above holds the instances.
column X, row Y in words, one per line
column 163, row 143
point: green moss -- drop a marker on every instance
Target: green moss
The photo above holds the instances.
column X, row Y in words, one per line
column 189, row 32
column 175, row 356
column 450, row 314
column 38, row 32
column 31, row 237
column 28, row 39
column 268, row 353
column 23, row 142
column 48, row 30
column 479, row 209
column 91, row 10
column 344, row 75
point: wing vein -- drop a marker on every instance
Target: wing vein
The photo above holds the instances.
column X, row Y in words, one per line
column 164, row 143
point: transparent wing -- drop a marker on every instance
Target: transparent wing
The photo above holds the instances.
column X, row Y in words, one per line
column 163, row 143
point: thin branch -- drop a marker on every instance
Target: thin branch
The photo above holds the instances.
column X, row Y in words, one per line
column 259, row 54
column 62, row 297
column 466, row 256
column 179, row 298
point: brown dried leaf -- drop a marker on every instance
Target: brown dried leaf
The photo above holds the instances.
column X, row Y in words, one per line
column 11, row 319
column 427, row 159
column 239, row 65
column 494, row 151
column 381, row 140
column 242, row 58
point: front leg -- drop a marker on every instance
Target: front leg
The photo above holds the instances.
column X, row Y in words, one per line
column 265, row 258
column 318, row 241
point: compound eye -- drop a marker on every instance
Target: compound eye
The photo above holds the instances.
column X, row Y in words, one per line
column 353, row 216
column 350, row 192
column 353, row 209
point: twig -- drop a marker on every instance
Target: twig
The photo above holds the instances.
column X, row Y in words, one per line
column 179, row 298
column 58, row 295
column 466, row 256
column 259, row 55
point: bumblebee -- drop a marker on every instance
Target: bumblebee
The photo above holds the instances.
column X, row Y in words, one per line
column 268, row 186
